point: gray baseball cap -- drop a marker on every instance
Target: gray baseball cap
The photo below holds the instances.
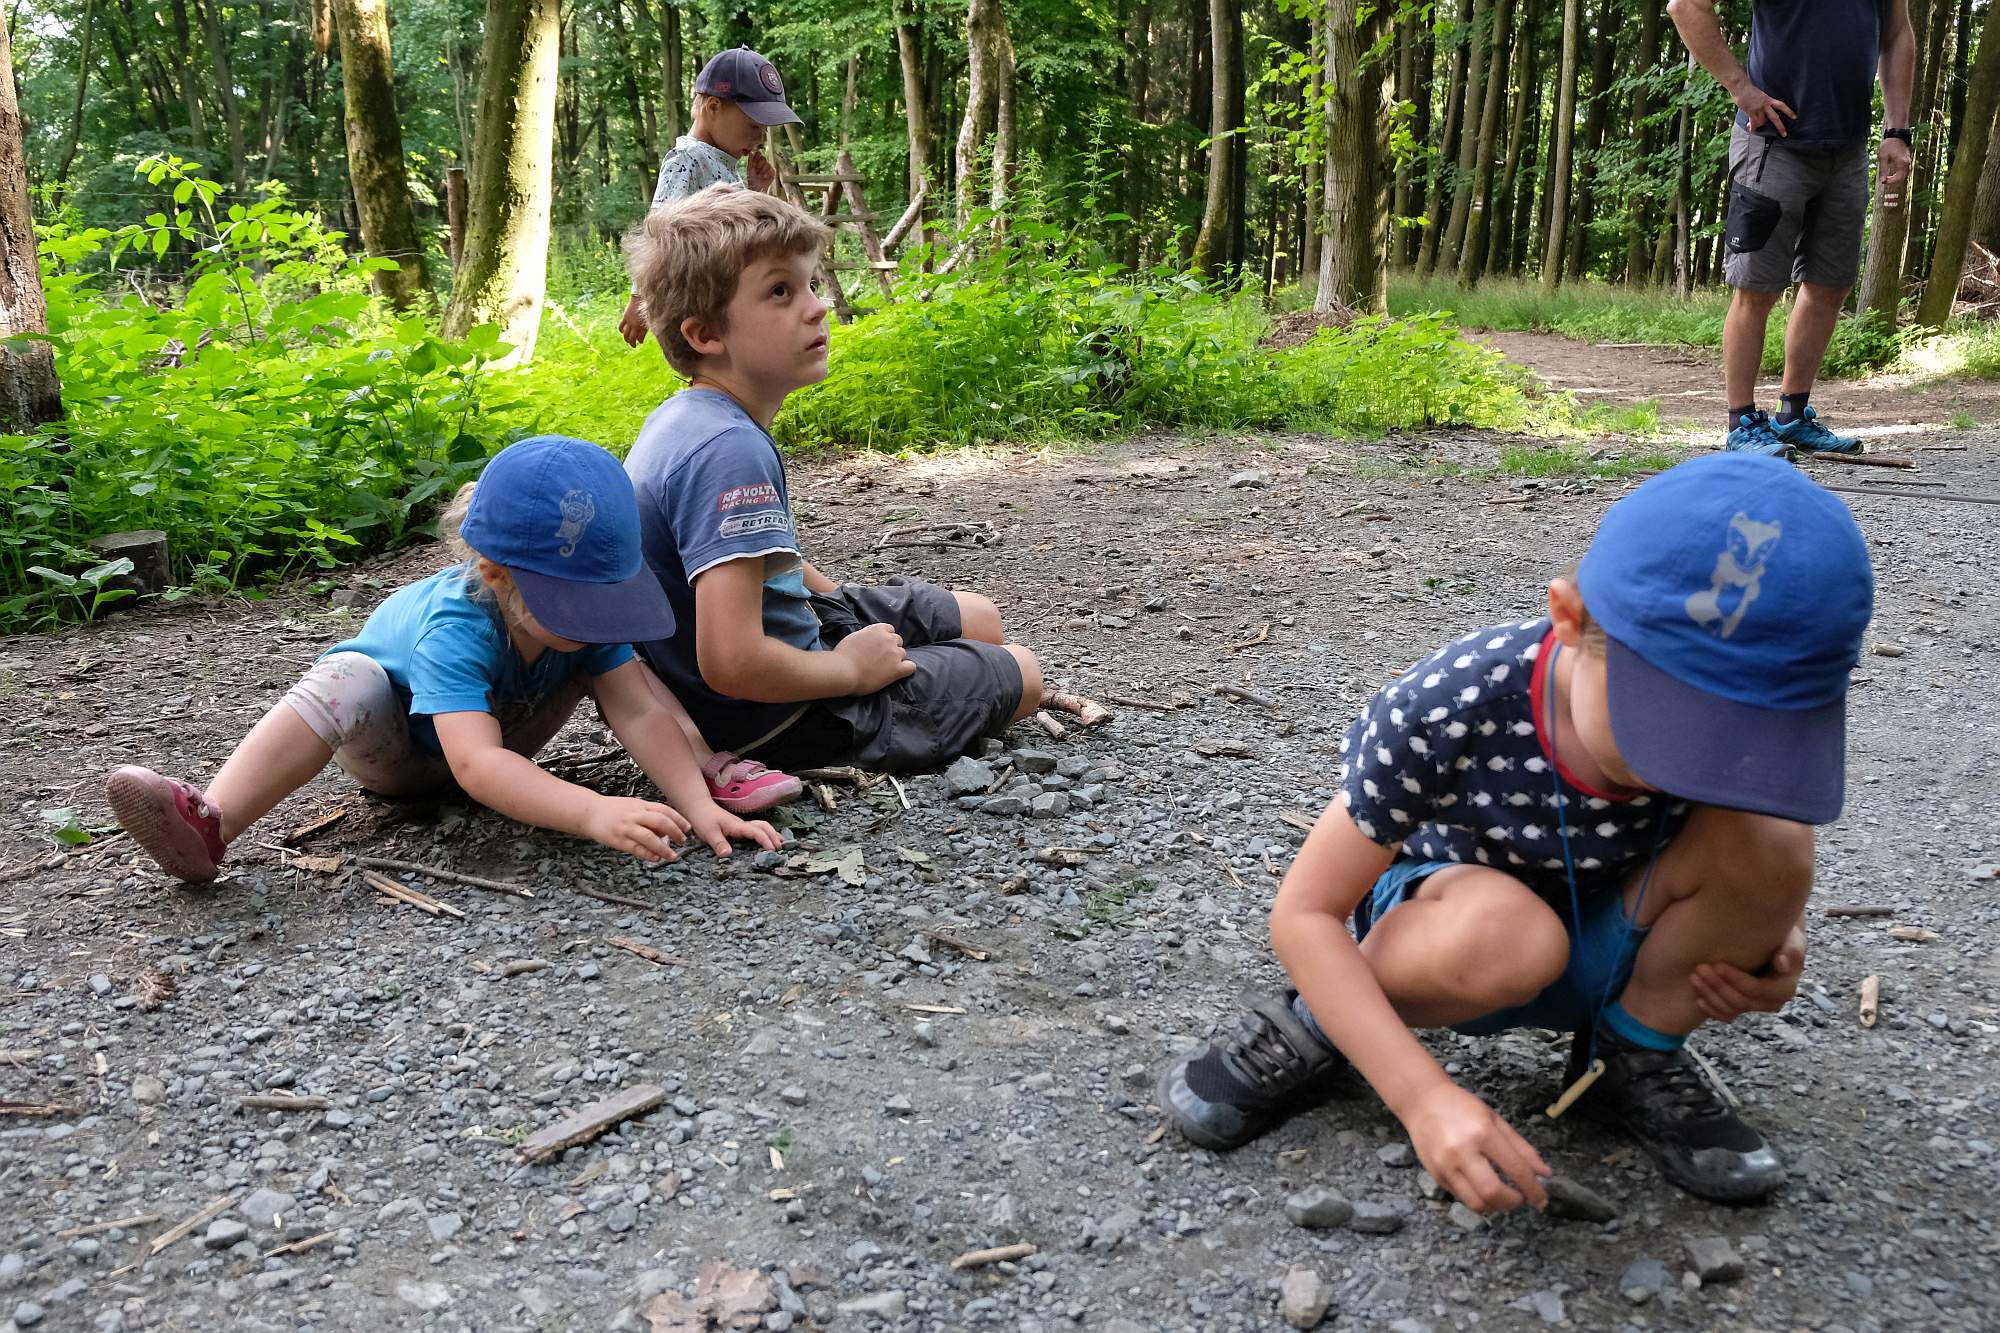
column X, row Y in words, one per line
column 747, row 79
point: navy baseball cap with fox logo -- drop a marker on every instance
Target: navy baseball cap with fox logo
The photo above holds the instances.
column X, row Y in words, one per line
column 560, row 516
column 747, row 79
column 1734, row 591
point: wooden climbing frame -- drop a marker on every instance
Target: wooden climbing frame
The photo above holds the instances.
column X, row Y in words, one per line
column 843, row 202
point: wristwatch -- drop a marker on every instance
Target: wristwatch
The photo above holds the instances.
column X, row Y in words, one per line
column 1905, row 135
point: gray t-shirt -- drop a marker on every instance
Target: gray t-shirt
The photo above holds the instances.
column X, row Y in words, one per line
column 691, row 167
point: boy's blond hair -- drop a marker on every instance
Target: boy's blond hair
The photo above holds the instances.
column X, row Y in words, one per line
column 687, row 258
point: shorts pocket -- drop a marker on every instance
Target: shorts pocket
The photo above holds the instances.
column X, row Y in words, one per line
column 1753, row 216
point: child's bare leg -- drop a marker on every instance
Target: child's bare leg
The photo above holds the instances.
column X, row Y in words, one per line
column 1440, row 956
column 1032, row 688
column 1728, row 889
column 979, row 618
column 280, row 755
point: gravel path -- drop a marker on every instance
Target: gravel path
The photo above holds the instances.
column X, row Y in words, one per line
column 852, row 1094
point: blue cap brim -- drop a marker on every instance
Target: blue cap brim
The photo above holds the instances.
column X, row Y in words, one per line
column 770, row 113
column 1791, row 763
column 634, row 610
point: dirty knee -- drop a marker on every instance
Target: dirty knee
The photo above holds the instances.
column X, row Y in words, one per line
column 1508, row 957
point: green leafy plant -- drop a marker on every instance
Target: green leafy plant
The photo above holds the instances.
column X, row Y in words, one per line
column 65, row 828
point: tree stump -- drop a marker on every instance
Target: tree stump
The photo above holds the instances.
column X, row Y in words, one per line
column 147, row 550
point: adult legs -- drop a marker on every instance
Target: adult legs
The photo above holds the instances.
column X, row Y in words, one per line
column 1814, row 313
column 1743, row 343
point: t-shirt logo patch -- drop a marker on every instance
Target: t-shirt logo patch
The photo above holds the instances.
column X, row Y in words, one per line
column 1739, row 569
column 758, row 495
column 578, row 508
column 769, row 520
column 768, row 76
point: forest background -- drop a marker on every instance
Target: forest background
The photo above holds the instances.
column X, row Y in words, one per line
column 267, row 338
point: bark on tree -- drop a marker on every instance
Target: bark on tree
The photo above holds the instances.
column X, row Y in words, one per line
column 1986, row 204
column 1961, row 186
column 1354, row 262
column 1406, row 91
column 1564, row 127
column 1500, row 227
column 504, row 277
column 1472, row 131
column 184, row 75
column 672, row 81
column 1583, row 199
column 1139, row 65
column 1213, row 245
column 29, row 394
column 1454, row 109
column 916, row 115
column 1637, row 201
column 375, row 152
column 989, row 107
column 628, row 89
column 82, row 83
column 1931, row 154
column 1889, row 228
column 225, row 78
column 1472, row 249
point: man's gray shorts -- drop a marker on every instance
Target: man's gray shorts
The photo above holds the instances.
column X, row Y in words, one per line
column 1794, row 215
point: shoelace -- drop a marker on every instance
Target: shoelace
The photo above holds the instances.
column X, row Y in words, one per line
column 1260, row 1050
column 1678, row 1084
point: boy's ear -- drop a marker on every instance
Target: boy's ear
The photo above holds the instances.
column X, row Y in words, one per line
column 1566, row 612
column 703, row 338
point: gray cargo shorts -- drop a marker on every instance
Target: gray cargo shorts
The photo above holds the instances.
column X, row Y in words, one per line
column 1795, row 215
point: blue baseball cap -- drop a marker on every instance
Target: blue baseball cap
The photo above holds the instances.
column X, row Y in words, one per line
column 747, row 79
column 560, row 516
column 1734, row 591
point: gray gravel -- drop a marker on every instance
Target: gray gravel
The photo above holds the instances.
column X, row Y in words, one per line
column 852, row 1099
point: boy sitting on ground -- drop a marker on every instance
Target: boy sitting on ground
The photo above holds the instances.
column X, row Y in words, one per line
column 775, row 661
column 1599, row 822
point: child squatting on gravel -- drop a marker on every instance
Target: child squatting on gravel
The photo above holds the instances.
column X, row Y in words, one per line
column 775, row 660
column 1598, row 821
column 466, row 674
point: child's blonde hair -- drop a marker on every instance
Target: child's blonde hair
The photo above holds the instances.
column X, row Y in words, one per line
column 450, row 520
column 686, row 259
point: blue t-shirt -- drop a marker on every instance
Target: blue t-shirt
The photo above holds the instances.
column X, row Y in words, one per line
column 1818, row 57
column 712, row 489
column 1451, row 760
column 447, row 651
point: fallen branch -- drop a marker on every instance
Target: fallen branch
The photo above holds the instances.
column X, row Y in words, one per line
column 449, row 876
column 1714, row 1077
column 403, row 893
column 301, row 1246
column 306, row 830
column 1914, row 934
column 1871, row 999
column 181, row 1228
column 847, row 773
column 1260, row 636
column 905, row 222
column 620, row 899
column 591, row 1121
column 1247, row 695
column 99, row 1228
column 262, row 1102
column 972, row 951
column 1087, row 712
column 999, row 1254
column 1127, row 701
column 1303, row 823
column 1050, row 725
column 1858, row 460
column 1859, row 909
column 36, row 1110
column 640, row 949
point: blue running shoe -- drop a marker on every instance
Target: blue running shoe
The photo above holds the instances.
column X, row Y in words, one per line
column 1753, row 434
column 1805, row 434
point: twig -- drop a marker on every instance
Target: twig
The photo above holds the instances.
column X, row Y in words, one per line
column 824, row 795
column 901, row 794
column 449, row 876
column 1714, row 1077
column 1914, row 495
column 301, row 1246
column 1858, row 460
column 1303, row 823
column 1247, row 695
column 934, row 1008
column 972, row 951
column 404, row 893
column 1087, row 712
column 1127, row 701
column 1048, row 724
column 619, row 899
column 262, row 1102
column 98, row 1228
column 591, row 1121
column 839, row 773
column 1871, row 999
column 187, row 1224
column 999, row 1254
column 1259, row 637
column 932, row 541
column 640, row 949
column 36, row 1110
column 46, row 861
column 306, row 830
column 1859, row 909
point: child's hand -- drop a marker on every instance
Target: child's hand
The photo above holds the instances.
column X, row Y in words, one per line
column 643, row 828
column 759, row 171
column 876, row 654
column 716, row 827
column 1726, row 993
column 1467, row 1148
column 632, row 324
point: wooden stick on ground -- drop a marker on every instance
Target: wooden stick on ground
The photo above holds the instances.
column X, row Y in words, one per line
column 640, row 949
column 619, row 899
column 404, row 893
column 262, row 1102
column 306, row 830
column 1303, row 823
column 1127, row 701
column 1047, row 723
column 301, row 1246
column 181, row 1228
column 999, row 1254
column 1088, row 712
column 1714, row 1077
column 1859, row 909
column 1247, row 695
column 972, row 951
column 1254, row 640
column 591, row 1121
column 1859, row 460
column 449, row 876
column 1871, row 999
column 36, row 1110
column 98, row 1228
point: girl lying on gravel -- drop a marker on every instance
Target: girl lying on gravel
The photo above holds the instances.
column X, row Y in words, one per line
column 465, row 675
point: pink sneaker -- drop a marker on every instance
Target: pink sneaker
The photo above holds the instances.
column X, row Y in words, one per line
column 744, row 786
column 176, row 825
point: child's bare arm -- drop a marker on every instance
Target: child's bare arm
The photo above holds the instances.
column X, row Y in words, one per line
column 1460, row 1140
column 518, row 788
column 739, row 659
column 655, row 742
column 817, row 581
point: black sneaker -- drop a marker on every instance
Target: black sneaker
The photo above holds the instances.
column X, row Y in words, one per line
column 1662, row 1101
column 1228, row 1093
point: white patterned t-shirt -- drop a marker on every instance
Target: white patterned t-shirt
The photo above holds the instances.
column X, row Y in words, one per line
column 1450, row 761
column 691, row 167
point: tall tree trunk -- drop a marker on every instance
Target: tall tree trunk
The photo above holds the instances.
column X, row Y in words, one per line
column 1139, row 64
column 1315, row 173
column 1889, row 228
column 1213, row 245
column 1931, row 156
column 1406, row 91
column 1583, row 206
column 1684, row 197
column 989, row 105
column 1561, row 132
column 505, row 274
column 916, row 116
column 1637, row 199
column 1986, row 204
column 628, row 90
column 185, row 76
column 1472, row 131
column 1961, row 186
column 29, row 393
column 225, row 81
column 1354, row 265
column 1440, row 166
column 1501, row 243
column 82, row 83
column 673, row 82
column 375, row 151
column 1472, row 249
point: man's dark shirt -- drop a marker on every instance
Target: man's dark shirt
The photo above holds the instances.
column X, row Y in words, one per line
column 1818, row 57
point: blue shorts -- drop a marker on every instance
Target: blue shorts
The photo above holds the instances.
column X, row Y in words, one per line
column 1600, row 954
